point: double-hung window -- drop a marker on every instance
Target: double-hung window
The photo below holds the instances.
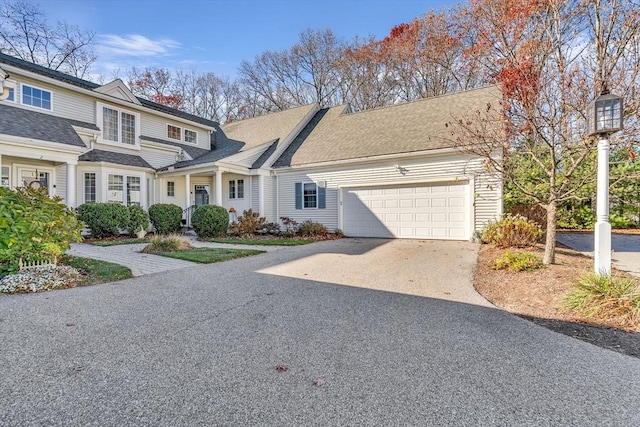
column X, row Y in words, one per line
column 115, row 193
column 236, row 189
column 118, row 126
column 36, row 97
column 171, row 189
column 310, row 195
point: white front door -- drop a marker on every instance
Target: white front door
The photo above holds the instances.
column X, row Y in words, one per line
column 422, row 211
column 35, row 178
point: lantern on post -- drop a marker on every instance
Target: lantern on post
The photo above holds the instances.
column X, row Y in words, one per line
column 604, row 117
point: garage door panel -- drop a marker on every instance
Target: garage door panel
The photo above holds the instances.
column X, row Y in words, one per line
column 408, row 211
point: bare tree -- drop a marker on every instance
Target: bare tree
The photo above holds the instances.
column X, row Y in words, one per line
column 26, row 34
column 537, row 52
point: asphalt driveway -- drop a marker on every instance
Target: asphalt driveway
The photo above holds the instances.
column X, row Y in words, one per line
column 625, row 247
column 200, row 346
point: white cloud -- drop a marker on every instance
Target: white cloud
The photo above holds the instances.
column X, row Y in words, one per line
column 137, row 45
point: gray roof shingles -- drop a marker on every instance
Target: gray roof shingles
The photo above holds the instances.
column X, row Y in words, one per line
column 114, row 158
column 85, row 84
column 25, row 123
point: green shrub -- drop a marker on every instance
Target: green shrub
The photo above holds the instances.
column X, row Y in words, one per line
column 313, row 229
column 104, row 219
column 33, row 226
column 210, row 221
column 518, row 261
column 512, row 231
column 602, row 296
column 167, row 243
column 620, row 221
column 578, row 218
column 166, row 218
column 138, row 220
column 248, row 224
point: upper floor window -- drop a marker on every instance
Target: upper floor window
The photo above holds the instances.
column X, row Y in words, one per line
column 190, row 136
column 12, row 96
column 35, row 97
column 118, row 126
column 176, row 132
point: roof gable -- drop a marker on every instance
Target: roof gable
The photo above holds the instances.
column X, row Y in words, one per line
column 119, row 90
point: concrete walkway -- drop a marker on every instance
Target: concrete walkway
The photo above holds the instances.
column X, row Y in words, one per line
column 141, row 263
column 625, row 248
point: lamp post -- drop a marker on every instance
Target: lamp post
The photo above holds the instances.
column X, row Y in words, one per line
column 604, row 117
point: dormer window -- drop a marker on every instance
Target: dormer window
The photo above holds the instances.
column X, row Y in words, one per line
column 174, row 132
column 36, row 97
column 118, row 126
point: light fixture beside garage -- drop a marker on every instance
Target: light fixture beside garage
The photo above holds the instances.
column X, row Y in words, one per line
column 402, row 170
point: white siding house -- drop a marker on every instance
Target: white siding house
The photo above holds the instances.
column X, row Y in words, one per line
column 388, row 172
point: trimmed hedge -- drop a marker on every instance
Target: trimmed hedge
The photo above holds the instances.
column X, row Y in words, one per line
column 104, row 219
column 166, row 218
column 210, row 221
column 138, row 220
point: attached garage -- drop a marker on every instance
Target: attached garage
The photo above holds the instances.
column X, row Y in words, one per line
column 419, row 211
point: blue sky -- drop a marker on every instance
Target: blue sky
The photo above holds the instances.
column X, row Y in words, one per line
column 217, row 35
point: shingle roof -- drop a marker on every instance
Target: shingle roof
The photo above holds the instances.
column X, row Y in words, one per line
column 35, row 125
column 246, row 134
column 85, row 84
column 416, row 126
column 192, row 151
column 115, row 158
column 260, row 161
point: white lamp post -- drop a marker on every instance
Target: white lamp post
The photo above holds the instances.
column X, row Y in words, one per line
column 604, row 117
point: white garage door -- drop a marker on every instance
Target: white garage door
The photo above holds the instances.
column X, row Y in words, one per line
column 420, row 211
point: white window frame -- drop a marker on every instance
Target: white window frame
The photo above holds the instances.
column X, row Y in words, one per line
column 120, row 111
column 23, row 85
column 236, row 194
column 179, row 129
column 121, row 201
column 171, row 192
column 184, row 135
column 125, row 187
column 7, row 176
column 304, row 184
column 95, row 188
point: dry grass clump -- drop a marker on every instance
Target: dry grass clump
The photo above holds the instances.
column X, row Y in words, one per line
column 604, row 297
column 168, row 243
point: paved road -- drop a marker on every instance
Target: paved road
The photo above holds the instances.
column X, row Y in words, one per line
column 200, row 346
column 626, row 248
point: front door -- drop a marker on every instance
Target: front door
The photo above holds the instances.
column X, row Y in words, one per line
column 201, row 194
column 35, row 179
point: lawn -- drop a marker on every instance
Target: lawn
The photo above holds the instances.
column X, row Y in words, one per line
column 97, row 271
column 210, row 255
column 261, row 241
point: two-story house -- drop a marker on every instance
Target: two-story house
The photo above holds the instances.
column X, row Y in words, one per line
column 388, row 172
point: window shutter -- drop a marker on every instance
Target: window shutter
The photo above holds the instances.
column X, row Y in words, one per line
column 322, row 198
column 298, row 195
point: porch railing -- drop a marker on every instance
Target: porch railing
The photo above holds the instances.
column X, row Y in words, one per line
column 186, row 216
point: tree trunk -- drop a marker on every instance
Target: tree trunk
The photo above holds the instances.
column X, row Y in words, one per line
column 550, row 242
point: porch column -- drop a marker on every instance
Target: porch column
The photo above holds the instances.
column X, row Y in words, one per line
column 219, row 187
column 71, row 185
column 261, row 194
column 187, row 191
column 213, row 186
